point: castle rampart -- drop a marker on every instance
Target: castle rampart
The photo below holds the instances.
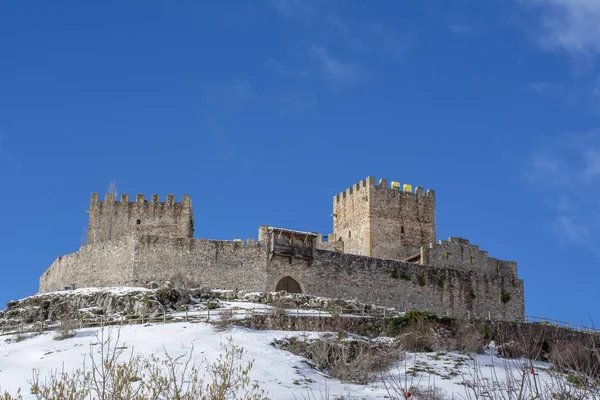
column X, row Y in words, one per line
column 138, row 260
column 382, row 251
column 458, row 253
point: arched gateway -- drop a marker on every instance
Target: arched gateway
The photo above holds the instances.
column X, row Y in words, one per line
column 288, row 284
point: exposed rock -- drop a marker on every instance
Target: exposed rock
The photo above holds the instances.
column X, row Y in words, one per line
column 112, row 303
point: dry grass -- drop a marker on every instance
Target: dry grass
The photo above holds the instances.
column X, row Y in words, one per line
column 353, row 361
column 105, row 376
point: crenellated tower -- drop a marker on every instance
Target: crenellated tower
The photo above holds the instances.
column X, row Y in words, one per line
column 384, row 221
column 111, row 219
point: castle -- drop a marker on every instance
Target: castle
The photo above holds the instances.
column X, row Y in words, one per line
column 382, row 250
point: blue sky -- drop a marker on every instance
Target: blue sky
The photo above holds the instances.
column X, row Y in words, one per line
column 263, row 110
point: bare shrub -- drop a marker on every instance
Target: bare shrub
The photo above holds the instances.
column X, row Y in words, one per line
column 573, row 356
column 66, row 328
column 8, row 396
column 524, row 341
column 137, row 378
column 409, row 386
column 224, row 320
column 428, row 393
column 468, row 338
column 112, row 188
column 419, row 336
column 348, row 360
column 229, row 377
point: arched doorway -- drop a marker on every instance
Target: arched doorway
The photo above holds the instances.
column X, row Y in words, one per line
column 288, row 284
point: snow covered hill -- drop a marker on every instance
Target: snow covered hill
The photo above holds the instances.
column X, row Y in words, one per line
column 282, row 374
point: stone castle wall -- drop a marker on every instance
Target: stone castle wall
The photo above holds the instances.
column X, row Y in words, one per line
column 458, row 253
column 138, row 260
column 110, row 219
column 93, row 265
column 351, row 219
column 401, row 221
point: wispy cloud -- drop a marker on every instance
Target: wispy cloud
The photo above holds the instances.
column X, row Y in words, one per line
column 302, row 9
column 567, row 173
column 298, row 100
column 326, row 19
column 335, row 69
column 570, row 25
column 234, row 92
column 280, row 69
column 460, row 28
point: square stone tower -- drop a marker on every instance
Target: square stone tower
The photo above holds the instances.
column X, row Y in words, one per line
column 382, row 221
column 110, row 219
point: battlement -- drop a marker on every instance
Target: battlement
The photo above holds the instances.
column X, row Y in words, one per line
column 140, row 199
column 111, row 218
column 395, row 186
column 460, row 253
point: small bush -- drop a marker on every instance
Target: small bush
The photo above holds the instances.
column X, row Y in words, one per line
column 575, row 380
column 395, row 273
column 441, row 282
column 504, row 296
column 409, row 317
column 419, row 336
column 404, row 277
column 422, row 281
column 20, row 337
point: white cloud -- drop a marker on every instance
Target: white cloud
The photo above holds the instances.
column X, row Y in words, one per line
column 567, row 173
column 335, row 69
column 570, row 25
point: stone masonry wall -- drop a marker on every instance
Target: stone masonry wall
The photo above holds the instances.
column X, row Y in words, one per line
column 216, row 263
column 458, row 253
column 401, row 221
column 351, row 219
column 379, row 221
column 110, row 219
column 138, row 260
column 101, row 264
column 404, row 285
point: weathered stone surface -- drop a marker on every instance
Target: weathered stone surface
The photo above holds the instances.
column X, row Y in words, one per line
column 146, row 243
column 380, row 221
column 111, row 219
column 225, row 265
